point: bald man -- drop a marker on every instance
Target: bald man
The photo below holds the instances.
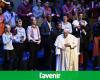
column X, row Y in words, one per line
column 66, row 52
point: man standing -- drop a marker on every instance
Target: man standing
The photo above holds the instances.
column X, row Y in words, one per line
column 55, row 32
column 66, row 51
column 84, row 40
column 46, row 29
column 34, row 38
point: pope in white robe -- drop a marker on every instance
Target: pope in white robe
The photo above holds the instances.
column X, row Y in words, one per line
column 66, row 52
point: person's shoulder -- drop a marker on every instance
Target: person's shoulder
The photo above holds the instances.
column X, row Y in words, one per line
column 2, row 15
column 44, row 23
column 14, row 13
column 62, row 22
column 69, row 23
column 72, row 36
column 11, row 34
column 6, row 12
column 74, row 21
column 60, row 36
column 3, row 34
column 86, row 22
column 37, row 26
column 23, row 28
column 16, row 28
column 29, row 27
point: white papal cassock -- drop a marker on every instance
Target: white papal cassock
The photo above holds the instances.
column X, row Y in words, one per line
column 66, row 57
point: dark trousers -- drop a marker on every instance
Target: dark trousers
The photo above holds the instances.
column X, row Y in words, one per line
column 9, row 59
column 85, row 60
column 19, row 50
column 33, row 60
column 53, row 59
column 84, row 50
column 96, row 62
column 48, row 57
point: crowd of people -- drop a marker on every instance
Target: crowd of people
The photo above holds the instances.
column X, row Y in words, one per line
column 63, row 32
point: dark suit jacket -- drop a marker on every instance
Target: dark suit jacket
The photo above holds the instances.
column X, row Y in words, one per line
column 46, row 33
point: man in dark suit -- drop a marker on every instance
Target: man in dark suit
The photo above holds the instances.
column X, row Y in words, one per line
column 56, row 31
column 46, row 29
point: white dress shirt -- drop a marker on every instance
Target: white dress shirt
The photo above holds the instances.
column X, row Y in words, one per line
column 20, row 33
column 49, row 24
column 75, row 23
column 67, row 26
column 33, row 33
